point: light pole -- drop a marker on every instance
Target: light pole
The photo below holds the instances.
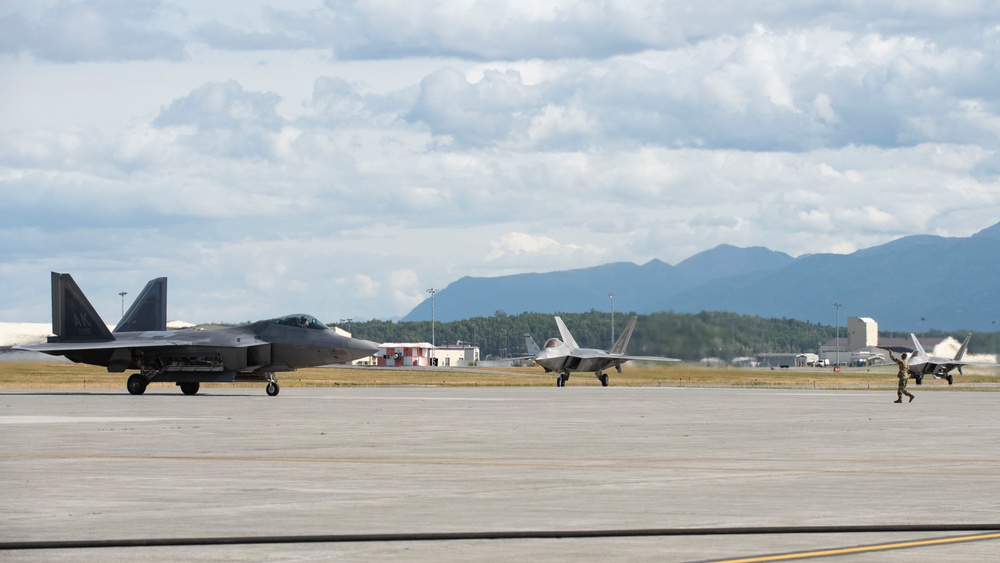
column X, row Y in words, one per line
column 432, row 291
column 348, row 321
column 123, row 294
column 612, row 296
column 837, row 305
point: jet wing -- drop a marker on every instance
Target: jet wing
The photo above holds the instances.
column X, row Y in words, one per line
column 590, row 354
column 147, row 340
column 645, row 358
column 954, row 364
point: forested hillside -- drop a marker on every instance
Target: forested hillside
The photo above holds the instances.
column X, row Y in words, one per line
column 760, row 282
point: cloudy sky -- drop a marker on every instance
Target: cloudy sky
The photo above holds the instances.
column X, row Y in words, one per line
column 340, row 157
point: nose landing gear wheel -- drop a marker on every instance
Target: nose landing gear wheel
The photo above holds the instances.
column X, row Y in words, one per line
column 190, row 388
column 272, row 388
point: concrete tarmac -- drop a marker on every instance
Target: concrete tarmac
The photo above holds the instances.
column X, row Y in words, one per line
column 104, row 465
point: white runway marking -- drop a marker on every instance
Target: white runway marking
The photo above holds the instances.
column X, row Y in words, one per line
column 77, row 419
column 386, row 398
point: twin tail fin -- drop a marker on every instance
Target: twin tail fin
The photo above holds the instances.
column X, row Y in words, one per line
column 74, row 319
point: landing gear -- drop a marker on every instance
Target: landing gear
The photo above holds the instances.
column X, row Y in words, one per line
column 920, row 378
column 562, row 379
column 272, row 388
column 136, row 384
column 950, row 379
column 603, row 378
column 189, row 388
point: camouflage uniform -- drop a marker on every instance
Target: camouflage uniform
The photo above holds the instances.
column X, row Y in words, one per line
column 903, row 374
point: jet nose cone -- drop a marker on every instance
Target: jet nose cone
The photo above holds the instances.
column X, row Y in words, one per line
column 362, row 348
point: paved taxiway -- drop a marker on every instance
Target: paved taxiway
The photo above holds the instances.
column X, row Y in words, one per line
column 104, row 465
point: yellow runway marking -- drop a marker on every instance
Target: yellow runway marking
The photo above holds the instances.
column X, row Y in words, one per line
column 862, row 549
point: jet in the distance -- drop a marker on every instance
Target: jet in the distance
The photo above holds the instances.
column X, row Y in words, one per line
column 922, row 364
column 566, row 356
column 188, row 357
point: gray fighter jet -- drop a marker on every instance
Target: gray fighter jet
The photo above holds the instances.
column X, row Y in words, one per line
column 565, row 356
column 922, row 364
column 188, row 357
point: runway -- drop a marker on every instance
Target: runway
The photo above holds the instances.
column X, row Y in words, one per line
column 495, row 473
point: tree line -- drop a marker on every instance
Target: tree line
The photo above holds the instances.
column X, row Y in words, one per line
column 690, row 337
column 686, row 336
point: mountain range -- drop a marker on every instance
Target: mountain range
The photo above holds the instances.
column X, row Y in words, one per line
column 915, row 283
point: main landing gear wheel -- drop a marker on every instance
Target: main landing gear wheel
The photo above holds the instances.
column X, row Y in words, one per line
column 562, row 379
column 603, row 377
column 136, row 384
column 950, row 380
column 190, row 388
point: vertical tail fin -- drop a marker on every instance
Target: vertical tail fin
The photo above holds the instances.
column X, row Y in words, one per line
column 917, row 348
column 529, row 343
column 149, row 311
column 961, row 351
column 622, row 343
column 567, row 338
column 73, row 317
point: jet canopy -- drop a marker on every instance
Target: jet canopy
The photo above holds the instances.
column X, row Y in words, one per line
column 553, row 343
column 301, row 321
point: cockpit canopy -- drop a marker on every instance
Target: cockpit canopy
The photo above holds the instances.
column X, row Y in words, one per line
column 553, row 343
column 301, row 321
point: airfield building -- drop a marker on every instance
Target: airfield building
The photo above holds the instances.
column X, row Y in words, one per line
column 790, row 360
column 426, row 354
column 863, row 347
column 404, row 354
column 460, row 354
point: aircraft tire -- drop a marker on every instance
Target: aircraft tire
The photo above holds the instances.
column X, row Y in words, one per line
column 272, row 389
column 920, row 379
column 604, row 380
column 190, row 388
column 951, row 380
column 136, row 384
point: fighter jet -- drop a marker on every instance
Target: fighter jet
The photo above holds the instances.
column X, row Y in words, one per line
column 921, row 364
column 188, row 357
column 566, row 356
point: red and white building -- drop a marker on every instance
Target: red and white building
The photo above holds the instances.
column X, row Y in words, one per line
column 424, row 354
column 404, row 354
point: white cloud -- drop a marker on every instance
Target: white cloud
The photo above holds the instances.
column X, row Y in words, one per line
column 89, row 30
column 405, row 288
column 515, row 246
column 340, row 158
column 521, row 243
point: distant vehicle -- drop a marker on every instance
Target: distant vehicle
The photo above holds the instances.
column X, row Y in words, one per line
column 566, row 356
column 922, row 364
column 188, row 357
